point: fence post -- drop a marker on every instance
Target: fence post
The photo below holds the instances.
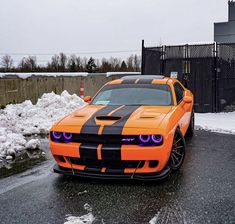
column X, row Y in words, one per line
column 215, row 55
column 143, row 58
column 162, row 59
column 186, row 67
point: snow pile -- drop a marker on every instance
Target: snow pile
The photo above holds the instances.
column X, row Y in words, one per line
column 33, row 144
column 23, row 75
column 85, row 219
column 19, row 120
column 28, row 119
column 220, row 122
column 10, row 143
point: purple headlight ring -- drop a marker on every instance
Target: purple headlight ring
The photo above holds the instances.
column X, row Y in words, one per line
column 158, row 140
column 144, row 138
column 67, row 136
column 56, row 135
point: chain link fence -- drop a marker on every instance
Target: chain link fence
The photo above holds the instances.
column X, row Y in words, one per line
column 206, row 69
column 225, row 77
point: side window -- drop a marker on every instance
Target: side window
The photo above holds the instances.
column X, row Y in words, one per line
column 179, row 92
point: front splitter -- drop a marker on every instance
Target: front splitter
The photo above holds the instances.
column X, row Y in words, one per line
column 117, row 176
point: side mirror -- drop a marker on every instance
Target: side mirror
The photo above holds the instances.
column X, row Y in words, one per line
column 187, row 99
column 87, row 99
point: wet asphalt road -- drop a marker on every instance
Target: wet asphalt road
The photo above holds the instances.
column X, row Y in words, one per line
column 202, row 192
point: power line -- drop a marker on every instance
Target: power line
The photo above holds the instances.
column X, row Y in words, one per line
column 80, row 53
column 16, row 61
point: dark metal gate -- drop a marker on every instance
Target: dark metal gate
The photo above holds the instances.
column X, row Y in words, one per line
column 225, row 61
column 208, row 70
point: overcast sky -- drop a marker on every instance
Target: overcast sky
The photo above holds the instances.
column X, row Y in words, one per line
column 52, row 26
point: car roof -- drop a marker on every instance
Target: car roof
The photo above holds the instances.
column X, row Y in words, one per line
column 143, row 79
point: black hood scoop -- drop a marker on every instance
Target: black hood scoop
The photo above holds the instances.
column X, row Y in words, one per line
column 108, row 118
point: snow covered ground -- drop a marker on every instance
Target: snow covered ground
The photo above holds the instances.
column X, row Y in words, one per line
column 26, row 75
column 85, row 219
column 220, row 122
column 19, row 120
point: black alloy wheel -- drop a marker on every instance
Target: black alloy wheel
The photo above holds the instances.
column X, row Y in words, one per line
column 178, row 151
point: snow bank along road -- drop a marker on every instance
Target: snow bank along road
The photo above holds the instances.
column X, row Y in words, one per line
column 19, row 120
column 202, row 192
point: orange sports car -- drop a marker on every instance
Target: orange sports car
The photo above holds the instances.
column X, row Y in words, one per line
column 134, row 127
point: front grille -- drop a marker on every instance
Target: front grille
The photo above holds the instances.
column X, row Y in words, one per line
column 101, row 139
column 109, row 164
column 105, row 139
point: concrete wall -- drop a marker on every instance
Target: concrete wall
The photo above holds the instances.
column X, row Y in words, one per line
column 17, row 90
column 225, row 32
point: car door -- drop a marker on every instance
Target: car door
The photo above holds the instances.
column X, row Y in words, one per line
column 183, row 110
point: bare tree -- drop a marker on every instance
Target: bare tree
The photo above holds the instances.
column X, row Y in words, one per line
column 84, row 62
column 28, row 64
column 130, row 63
column 62, row 61
column 79, row 64
column 137, row 62
column 115, row 63
column 105, row 65
column 97, row 62
column 55, row 63
column 22, row 63
column 31, row 62
column 7, row 62
column 74, row 63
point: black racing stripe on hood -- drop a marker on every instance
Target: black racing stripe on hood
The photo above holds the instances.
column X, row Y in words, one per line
column 90, row 127
column 145, row 81
column 117, row 127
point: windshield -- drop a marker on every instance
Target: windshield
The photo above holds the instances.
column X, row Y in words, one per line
column 124, row 94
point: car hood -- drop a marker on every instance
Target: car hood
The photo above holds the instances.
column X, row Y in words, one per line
column 114, row 118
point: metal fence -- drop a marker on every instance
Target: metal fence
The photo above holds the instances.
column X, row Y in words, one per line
column 208, row 70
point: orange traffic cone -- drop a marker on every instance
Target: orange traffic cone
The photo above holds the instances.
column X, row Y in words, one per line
column 82, row 89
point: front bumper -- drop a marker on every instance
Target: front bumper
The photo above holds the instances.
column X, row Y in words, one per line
column 123, row 153
column 115, row 176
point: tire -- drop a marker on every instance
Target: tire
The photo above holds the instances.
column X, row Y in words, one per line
column 177, row 151
column 190, row 131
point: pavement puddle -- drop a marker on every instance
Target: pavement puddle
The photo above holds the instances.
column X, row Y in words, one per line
column 172, row 214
